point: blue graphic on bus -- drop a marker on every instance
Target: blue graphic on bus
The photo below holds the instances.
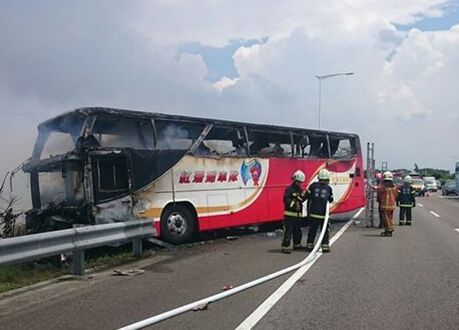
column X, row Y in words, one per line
column 251, row 170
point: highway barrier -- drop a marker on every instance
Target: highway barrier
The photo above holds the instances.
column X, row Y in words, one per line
column 76, row 240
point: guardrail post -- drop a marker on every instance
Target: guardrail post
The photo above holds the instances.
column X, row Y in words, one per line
column 31, row 247
column 78, row 262
column 137, row 247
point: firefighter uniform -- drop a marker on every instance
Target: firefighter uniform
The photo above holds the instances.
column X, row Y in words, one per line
column 387, row 194
column 406, row 201
column 318, row 194
column 380, row 212
column 293, row 211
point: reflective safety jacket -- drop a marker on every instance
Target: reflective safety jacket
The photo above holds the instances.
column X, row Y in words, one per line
column 318, row 194
column 293, row 201
column 387, row 195
column 406, row 196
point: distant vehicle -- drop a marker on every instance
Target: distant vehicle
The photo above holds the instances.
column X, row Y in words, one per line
column 449, row 188
column 398, row 179
column 419, row 187
column 415, row 175
column 430, row 183
column 439, row 184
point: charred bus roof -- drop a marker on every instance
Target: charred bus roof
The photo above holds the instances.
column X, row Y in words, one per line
column 81, row 113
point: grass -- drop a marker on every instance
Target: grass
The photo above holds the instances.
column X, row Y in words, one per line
column 17, row 276
column 13, row 277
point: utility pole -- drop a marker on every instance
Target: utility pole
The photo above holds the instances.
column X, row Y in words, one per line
column 326, row 76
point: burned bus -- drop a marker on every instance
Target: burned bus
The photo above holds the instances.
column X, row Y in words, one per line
column 102, row 165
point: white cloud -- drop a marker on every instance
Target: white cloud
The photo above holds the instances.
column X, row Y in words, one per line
column 127, row 55
column 225, row 82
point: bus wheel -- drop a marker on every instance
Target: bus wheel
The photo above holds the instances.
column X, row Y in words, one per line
column 177, row 224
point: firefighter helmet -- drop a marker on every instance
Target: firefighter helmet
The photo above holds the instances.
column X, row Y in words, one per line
column 299, row 176
column 407, row 179
column 324, row 174
column 387, row 176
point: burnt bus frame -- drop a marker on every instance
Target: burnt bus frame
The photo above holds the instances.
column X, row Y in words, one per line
column 91, row 114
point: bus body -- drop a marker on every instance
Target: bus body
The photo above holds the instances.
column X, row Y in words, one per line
column 100, row 165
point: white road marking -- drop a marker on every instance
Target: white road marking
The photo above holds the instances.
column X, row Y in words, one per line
column 264, row 308
column 421, row 205
column 456, row 229
column 434, row 214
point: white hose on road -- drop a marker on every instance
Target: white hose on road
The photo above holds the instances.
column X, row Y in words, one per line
column 219, row 296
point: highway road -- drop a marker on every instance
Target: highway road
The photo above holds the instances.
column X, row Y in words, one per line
column 369, row 282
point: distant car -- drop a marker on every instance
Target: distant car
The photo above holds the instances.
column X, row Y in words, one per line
column 398, row 181
column 449, row 188
column 439, row 184
column 419, row 187
column 430, row 184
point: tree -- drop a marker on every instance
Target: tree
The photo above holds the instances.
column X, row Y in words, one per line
column 8, row 216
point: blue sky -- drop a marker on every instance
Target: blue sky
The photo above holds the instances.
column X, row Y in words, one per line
column 219, row 61
column 450, row 18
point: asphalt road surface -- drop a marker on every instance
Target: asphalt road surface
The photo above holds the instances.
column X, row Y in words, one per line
column 408, row 281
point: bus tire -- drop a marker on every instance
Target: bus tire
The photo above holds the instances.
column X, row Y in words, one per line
column 178, row 224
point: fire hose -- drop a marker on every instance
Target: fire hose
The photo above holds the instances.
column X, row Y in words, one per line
column 203, row 302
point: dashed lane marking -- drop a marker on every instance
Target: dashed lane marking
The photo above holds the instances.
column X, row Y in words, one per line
column 434, row 214
column 264, row 308
column 456, row 229
column 421, row 205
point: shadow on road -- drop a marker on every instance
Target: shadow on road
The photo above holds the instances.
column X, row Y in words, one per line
column 372, row 235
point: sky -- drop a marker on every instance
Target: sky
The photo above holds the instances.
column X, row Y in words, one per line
column 253, row 61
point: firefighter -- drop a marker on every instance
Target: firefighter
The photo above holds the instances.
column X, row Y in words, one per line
column 406, row 201
column 318, row 194
column 294, row 198
column 380, row 212
column 387, row 195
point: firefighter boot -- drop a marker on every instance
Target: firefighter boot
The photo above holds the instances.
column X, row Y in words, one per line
column 325, row 248
column 408, row 223
column 401, row 223
column 386, row 233
column 309, row 247
column 299, row 247
column 285, row 250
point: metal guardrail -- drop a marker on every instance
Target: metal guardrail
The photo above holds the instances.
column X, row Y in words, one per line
column 77, row 240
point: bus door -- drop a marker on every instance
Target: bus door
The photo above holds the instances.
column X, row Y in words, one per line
column 111, row 185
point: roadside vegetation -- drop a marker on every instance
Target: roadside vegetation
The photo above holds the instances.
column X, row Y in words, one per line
column 14, row 277
column 17, row 276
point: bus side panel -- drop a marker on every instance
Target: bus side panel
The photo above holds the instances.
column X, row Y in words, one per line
column 229, row 192
column 348, row 191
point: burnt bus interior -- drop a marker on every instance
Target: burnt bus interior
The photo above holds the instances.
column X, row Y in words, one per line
column 92, row 159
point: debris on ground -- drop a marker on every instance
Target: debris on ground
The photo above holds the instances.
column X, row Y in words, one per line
column 127, row 272
column 201, row 307
column 232, row 238
column 276, row 233
column 161, row 243
column 227, row 287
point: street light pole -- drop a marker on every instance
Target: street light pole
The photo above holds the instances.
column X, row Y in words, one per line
column 322, row 77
